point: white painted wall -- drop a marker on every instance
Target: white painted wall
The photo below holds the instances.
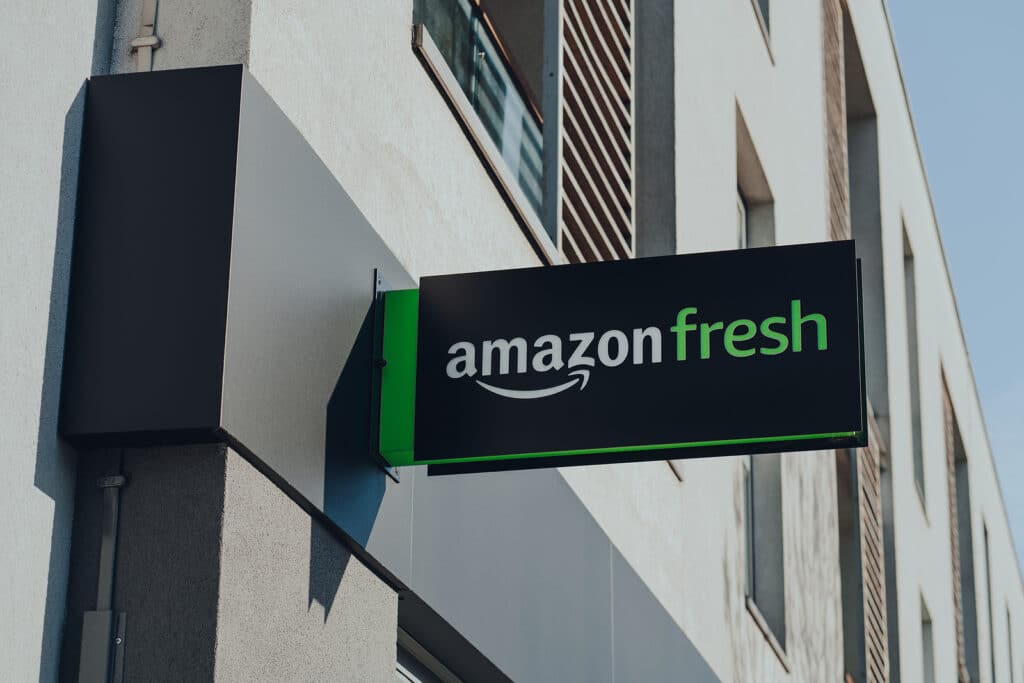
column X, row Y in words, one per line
column 46, row 53
column 347, row 76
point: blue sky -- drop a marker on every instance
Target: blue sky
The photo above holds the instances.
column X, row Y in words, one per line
column 963, row 64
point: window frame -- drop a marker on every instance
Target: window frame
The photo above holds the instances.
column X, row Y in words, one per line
column 504, row 177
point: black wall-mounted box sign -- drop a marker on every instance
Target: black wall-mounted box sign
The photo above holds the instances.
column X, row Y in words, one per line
column 749, row 351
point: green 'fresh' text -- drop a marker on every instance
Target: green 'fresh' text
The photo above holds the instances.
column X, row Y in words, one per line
column 744, row 338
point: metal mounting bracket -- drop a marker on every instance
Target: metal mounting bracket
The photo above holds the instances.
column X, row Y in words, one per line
column 378, row 361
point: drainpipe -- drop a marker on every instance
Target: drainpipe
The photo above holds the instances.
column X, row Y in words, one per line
column 147, row 41
column 102, row 648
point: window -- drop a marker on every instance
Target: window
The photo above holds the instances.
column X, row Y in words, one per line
column 762, row 474
column 850, row 568
column 765, row 565
column 963, row 544
column 755, row 205
column 865, row 207
column 1009, row 642
column 503, row 115
column 927, row 645
column 761, row 16
column 506, row 66
column 741, row 222
column 910, row 294
column 988, row 603
column 501, row 100
column 762, row 9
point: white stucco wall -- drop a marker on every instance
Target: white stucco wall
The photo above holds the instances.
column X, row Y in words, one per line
column 46, row 53
column 347, row 76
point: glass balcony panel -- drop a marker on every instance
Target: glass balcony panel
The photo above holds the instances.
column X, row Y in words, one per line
column 459, row 30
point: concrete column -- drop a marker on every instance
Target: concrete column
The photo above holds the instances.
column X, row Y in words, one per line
column 222, row 577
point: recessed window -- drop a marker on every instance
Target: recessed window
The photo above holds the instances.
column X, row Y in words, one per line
column 504, row 67
column 762, row 8
column 766, row 580
column 492, row 91
column 762, row 474
column 755, row 205
column 988, row 602
column 963, row 542
column 1009, row 643
column 910, row 294
column 927, row 645
column 480, row 61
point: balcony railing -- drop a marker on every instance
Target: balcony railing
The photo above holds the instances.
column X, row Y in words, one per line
column 474, row 54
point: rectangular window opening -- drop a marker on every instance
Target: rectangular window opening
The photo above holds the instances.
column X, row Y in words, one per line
column 765, row 566
column 755, row 205
column 927, row 645
column 1009, row 643
column 763, row 7
column 492, row 54
column 851, row 568
column 988, row 603
column 910, row 294
column 965, row 550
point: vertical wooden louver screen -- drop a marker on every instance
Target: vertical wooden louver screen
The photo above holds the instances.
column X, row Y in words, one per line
column 596, row 162
column 869, row 479
column 834, row 68
column 870, row 459
column 954, row 533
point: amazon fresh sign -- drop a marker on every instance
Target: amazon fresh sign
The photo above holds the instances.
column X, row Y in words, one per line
column 682, row 356
column 614, row 348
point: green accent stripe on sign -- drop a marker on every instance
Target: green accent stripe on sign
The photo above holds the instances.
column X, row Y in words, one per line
column 651, row 447
column 398, row 376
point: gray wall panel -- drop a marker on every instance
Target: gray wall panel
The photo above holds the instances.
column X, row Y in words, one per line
column 648, row 645
column 301, row 262
column 515, row 563
column 294, row 604
column 168, row 561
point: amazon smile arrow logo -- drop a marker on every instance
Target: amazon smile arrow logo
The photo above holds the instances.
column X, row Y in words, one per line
column 582, row 377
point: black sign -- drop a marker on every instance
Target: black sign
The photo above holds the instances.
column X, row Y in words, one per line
column 747, row 351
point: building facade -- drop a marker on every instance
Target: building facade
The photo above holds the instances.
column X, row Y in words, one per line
column 422, row 137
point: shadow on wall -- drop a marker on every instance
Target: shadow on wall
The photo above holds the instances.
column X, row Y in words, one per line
column 328, row 561
column 55, row 460
column 354, row 484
